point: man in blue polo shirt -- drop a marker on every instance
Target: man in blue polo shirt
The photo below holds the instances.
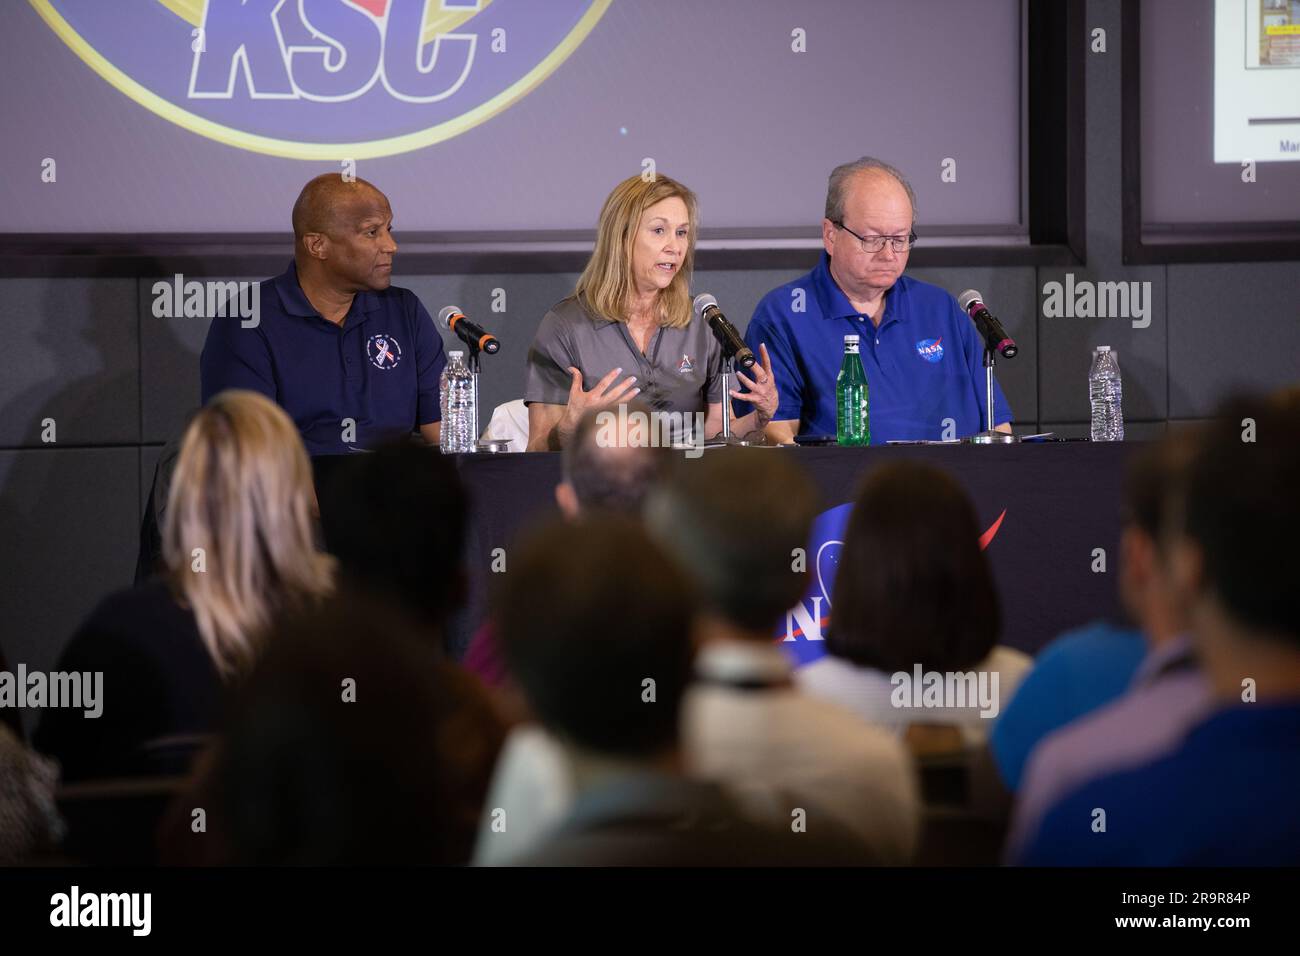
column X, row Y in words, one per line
column 923, row 358
column 353, row 360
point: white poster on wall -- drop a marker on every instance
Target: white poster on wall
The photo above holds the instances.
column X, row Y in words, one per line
column 1256, row 80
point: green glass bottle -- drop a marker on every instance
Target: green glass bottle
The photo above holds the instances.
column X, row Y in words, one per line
column 852, row 421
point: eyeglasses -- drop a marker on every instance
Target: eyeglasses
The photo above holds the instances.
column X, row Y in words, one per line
column 873, row 244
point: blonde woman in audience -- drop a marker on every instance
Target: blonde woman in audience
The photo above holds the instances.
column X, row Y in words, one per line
column 238, row 549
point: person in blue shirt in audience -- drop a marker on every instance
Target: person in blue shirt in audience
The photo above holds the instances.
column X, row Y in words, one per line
column 923, row 358
column 1075, row 674
column 1226, row 795
column 354, row 360
column 1083, row 670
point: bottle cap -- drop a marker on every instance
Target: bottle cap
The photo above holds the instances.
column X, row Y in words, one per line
column 456, row 354
column 850, row 340
column 1103, row 348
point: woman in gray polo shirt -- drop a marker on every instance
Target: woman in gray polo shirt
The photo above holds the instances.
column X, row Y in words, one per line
column 630, row 329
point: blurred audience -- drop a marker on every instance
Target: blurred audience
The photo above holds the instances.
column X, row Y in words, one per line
column 30, row 825
column 601, row 643
column 603, row 469
column 1073, row 675
column 735, row 521
column 352, row 742
column 1225, row 795
column 395, row 519
column 1168, row 693
column 1085, row 669
column 238, row 549
column 914, row 590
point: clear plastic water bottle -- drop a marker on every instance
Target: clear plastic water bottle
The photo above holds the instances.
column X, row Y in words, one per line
column 852, row 424
column 1106, row 393
column 456, row 390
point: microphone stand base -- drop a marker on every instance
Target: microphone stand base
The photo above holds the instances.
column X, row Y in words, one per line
column 993, row 438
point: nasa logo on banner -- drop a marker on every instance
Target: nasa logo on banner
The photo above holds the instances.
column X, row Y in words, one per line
column 324, row 79
column 802, row 635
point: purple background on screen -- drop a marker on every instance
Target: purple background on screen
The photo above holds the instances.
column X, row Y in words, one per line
column 711, row 91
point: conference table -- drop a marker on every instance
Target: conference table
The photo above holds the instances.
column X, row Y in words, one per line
column 1050, row 513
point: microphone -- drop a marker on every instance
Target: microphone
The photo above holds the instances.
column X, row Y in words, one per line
column 453, row 319
column 733, row 346
column 995, row 336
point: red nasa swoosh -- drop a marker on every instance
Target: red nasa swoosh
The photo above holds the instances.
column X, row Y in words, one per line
column 375, row 7
column 985, row 540
column 987, row 537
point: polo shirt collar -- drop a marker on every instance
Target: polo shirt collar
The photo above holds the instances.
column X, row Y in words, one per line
column 743, row 662
column 295, row 301
column 595, row 319
column 1160, row 660
column 835, row 304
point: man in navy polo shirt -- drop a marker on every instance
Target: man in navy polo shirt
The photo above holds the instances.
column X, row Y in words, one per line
column 923, row 358
column 353, row 360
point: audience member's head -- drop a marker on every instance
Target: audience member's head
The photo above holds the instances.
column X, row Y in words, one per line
column 608, row 465
column 589, row 613
column 352, row 742
column 1235, row 529
column 1154, row 475
column 913, row 586
column 396, row 521
column 238, row 537
column 734, row 521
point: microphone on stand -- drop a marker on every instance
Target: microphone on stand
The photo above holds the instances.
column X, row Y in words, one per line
column 706, row 306
column 995, row 336
column 453, row 319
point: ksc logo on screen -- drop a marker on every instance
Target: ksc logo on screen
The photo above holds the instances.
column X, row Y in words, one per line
column 324, row 79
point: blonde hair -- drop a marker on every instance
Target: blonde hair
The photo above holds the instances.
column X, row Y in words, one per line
column 242, row 492
column 605, row 286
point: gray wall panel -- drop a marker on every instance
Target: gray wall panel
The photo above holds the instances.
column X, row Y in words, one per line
column 1231, row 327
column 70, row 353
column 169, row 364
column 69, row 523
column 149, row 455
